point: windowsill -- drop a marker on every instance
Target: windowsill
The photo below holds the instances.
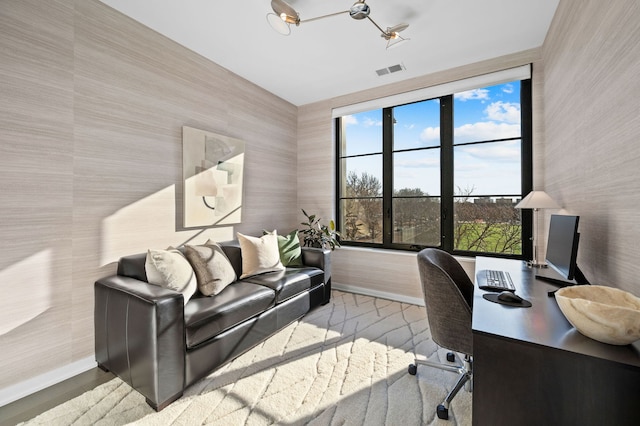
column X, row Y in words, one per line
column 465, row 259
column 378, row 250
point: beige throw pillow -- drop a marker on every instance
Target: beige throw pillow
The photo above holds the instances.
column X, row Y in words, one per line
column 259, row 255
column 170, row 269
column 212, row 267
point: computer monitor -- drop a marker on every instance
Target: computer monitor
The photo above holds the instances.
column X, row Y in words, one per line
column 562, row 245
column 562, row 251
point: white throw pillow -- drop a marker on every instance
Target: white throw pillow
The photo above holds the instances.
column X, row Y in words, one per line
column 259, row 255
column 170, row 269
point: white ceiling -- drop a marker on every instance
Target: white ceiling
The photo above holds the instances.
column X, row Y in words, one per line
column 339, row 55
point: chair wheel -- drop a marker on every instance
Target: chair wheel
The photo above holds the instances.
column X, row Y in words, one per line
column 443, row 413
column 413, row 369
column 451, row 357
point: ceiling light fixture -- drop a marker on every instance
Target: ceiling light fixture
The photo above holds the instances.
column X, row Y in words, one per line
column 284, row 15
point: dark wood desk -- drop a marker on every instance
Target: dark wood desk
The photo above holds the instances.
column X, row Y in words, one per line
column 531, row 367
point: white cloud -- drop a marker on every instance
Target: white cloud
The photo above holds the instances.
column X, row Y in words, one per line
column 475, row 94
column 503, row 111
column 430, row 134
column 494, row 152
column 485, row 130
column 369, row 122
column 350, row 120
column 471, row 169
column 419, row 163
column 507, row 88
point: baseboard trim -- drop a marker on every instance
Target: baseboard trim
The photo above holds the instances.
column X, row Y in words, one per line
column 35, row 384
column 379, row 294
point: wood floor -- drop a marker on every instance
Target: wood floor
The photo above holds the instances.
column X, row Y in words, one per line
column 39, row 402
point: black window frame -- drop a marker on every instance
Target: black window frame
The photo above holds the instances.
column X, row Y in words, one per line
column 447, row 182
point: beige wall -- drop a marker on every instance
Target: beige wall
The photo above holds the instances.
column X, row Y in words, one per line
column 592, row 121
column 91, row 110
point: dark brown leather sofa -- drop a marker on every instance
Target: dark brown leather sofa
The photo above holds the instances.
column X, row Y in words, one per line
column 148, row 337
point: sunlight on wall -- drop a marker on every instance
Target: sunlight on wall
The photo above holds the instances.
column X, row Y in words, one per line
column 150, row 223
column 35, row 281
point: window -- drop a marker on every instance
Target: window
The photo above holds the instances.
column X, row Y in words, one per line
column 442, row 172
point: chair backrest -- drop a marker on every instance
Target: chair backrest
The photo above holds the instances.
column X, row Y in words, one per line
column 448, row 295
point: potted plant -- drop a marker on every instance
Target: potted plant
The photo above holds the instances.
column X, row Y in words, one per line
column 318, row 235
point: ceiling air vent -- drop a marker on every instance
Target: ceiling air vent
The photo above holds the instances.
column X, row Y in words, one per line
column 390, row 70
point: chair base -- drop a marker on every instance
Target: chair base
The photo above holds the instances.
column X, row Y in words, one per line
column 465, row 371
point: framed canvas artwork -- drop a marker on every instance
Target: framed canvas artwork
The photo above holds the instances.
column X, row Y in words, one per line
column 212, row 168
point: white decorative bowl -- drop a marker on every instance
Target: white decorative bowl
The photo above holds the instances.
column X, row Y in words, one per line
column 605, row 314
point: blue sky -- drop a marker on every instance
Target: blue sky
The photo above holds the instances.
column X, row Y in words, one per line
column 480, row 114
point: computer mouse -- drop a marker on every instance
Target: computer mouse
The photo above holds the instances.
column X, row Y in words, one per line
column 509, row 296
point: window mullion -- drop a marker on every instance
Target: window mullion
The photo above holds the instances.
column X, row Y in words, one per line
column 446, row 172
column 387, row 173
column 527, row 165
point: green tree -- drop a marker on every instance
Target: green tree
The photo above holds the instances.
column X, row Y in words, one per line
column 485, row 225
column 363, row 207
column 416, row 217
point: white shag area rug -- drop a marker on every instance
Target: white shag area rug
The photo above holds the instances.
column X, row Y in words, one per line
column 344, row 363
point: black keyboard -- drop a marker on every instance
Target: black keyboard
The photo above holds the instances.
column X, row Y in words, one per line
column 497, row 281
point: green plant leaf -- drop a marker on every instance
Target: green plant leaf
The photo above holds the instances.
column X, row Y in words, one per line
column 318, row 235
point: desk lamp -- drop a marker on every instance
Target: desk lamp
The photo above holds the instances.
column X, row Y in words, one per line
column 536, row 200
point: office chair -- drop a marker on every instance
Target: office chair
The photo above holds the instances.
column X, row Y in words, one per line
column 448, row 296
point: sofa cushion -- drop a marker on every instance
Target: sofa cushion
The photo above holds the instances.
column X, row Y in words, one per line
column 289, row 282
column 170, row 269
column 211, row 266
column 206, row 317
column 259, row 255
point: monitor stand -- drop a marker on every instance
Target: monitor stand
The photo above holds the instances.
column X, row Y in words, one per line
column 551, row 276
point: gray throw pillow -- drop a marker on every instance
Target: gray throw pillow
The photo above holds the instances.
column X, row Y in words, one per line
column 213, row 269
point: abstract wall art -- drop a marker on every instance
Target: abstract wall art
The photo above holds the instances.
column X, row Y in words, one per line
column 213, row 168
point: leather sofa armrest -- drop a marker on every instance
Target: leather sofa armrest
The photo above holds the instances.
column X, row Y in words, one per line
column 139, row 336
column 138, row 288
column 319, row 258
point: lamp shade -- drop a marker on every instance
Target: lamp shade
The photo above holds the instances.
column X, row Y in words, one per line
column 537, row 200
column 285, row 11
column 278, row 24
